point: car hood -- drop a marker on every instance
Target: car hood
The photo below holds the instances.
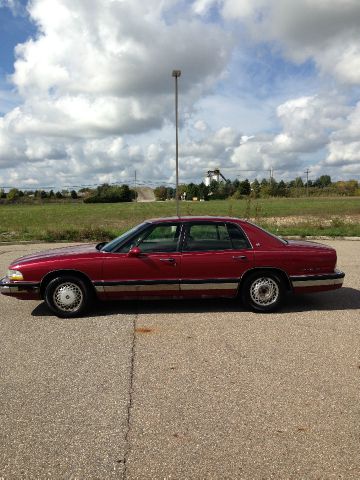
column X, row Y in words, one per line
column 56, row 253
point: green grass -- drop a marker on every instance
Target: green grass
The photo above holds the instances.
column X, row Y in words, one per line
column 78, row 221
column 314, row 228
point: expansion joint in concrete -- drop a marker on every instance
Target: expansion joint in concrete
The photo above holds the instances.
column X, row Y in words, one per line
column 130, row 398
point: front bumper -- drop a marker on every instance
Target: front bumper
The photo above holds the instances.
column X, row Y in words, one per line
column 22, row 290
column 328, row 281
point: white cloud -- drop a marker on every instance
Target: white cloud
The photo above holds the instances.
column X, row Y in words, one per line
column 351, row 127
column 95, row 96
column 341, row 153
column 118, row 48
column 201, row 7
column 200, row 125
column 344, row 145
column 307, row 126
column 232, row 9
column 308, row 121
column 113, row 159
column 98, row 71
column 326, row 31
column 253, row 155
column 82, row 116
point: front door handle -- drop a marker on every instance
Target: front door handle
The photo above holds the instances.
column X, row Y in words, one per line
column 169, row 260
column 239, row 257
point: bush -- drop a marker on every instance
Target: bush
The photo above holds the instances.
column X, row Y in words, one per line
column 111, row 194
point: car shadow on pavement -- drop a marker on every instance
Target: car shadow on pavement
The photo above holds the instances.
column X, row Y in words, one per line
column 342, row 299
column 133, row 307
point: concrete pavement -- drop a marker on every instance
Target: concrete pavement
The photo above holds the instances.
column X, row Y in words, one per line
column 183, row 389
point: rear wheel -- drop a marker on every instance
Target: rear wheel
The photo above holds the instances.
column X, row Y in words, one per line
column 67, row 296
column 263, row 291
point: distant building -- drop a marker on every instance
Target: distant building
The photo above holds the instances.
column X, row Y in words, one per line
column 214, row 175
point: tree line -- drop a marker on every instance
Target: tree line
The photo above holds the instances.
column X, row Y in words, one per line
column 322, row 186
column 104, row 193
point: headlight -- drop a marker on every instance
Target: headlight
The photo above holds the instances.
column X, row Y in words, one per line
column 15, row 275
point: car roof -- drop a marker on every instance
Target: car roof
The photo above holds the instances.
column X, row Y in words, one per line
column 194, row 218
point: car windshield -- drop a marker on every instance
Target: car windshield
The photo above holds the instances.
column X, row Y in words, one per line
column 109, row 247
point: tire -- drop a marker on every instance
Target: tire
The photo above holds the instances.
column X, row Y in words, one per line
column 67, row 296
column 263, row 291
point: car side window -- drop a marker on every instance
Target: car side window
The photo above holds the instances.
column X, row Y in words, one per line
column 207, row 236
column 159, row 238
column 237, row 237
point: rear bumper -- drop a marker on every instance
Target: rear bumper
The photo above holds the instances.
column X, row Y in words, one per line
column 22, row 290
column 316, row 283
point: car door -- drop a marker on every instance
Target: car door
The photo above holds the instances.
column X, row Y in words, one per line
column 150, row 270
column 214, row 257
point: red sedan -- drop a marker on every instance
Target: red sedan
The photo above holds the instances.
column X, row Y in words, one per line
column 184, row 257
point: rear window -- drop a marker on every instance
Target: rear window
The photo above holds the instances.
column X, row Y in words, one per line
column 237, row 237
column 214, row 236
column 207, row 236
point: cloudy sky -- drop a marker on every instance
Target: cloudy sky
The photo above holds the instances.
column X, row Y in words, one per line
column 87, row 96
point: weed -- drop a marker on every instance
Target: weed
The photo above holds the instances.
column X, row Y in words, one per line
column 247, row 212
column 337, row 222
column 258, row 213
column 189, row 209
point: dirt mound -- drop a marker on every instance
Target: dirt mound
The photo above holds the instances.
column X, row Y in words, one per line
column 145, row 194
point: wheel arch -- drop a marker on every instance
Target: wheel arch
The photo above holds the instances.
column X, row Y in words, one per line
column 57, row 273
column 281, row 273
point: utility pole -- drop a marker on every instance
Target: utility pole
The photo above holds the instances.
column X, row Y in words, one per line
column 176, row 74
column 135, row 187
column 307, row 171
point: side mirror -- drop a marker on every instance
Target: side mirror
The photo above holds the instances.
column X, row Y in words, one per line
column 134, row 252
column 100, row 245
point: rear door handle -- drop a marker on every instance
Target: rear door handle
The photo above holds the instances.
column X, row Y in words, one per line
column 239, row 257
column 169, row 260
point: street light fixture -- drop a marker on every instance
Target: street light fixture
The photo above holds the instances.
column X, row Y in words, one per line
column 176, row 74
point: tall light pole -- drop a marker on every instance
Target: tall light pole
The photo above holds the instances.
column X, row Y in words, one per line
column 176, row 74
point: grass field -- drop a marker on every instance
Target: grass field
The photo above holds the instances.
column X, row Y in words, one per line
column 78, row 221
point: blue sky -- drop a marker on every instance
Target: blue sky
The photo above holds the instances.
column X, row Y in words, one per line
column 91, row 99
column 15, row 28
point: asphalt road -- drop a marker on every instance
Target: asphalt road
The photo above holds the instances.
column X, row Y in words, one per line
column 183, row 390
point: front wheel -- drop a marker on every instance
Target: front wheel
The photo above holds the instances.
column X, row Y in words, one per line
column 67, row 296
column 263, row 292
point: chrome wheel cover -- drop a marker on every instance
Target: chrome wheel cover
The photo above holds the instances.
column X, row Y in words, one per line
column 68, row 297
column 264, row 291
